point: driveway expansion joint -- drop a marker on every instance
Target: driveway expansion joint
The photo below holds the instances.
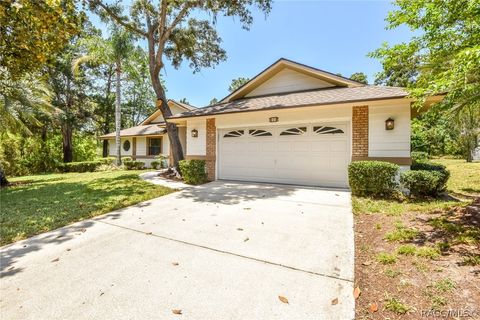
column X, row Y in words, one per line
column 226, row 252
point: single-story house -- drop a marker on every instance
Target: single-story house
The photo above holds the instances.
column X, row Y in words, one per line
column 291, row 124
column 149, row 139
column 296, row 124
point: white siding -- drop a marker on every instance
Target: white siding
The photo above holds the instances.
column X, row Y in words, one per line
column 141, row 146
column 389, row 143
column 288, row 80
column 175, row 109
column 112, row 148
column 196, row 146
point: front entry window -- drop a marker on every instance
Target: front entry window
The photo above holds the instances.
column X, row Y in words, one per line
column 154, row 146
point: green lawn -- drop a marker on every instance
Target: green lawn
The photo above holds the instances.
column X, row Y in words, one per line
column 464, row 178
column 464, row 183
column 41, row 203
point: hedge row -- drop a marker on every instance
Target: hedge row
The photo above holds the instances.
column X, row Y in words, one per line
column 377, row 178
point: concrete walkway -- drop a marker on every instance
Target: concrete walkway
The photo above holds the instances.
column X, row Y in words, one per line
column 218, row 251
column 153, row 177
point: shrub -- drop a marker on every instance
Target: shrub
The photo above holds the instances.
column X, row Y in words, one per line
column 418, row 156
column 193, row 171
column 107, row 160
column 421, row 182
column 375, row 178
column 83, row 166
column 163, row 160
column 133, row 165
column 127, row 159
column 425, row 179
column 155, row 164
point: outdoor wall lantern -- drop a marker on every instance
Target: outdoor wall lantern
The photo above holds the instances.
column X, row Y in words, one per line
column 273, row 119
column 194, row 133
column 389, row 124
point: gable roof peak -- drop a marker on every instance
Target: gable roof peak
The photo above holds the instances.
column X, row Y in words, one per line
column 282, row 64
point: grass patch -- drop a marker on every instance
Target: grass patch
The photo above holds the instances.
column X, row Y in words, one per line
column 395, row 305
column 401, row 233
column 473, row 260
column 386, row 258
column 424, row 252
column 362, row 205
column 407, row 249
column 444, row 285
column 391, row 273
column 428, row 252
column 45, row 202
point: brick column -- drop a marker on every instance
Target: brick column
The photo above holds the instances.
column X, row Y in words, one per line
column 359, row 132
column 211, row 144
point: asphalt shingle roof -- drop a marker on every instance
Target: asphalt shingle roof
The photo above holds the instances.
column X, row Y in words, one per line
column 298, row 99
column 143, row 130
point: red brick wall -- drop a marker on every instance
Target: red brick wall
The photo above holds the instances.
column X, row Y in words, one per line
column 211, row 145
column 359, row 132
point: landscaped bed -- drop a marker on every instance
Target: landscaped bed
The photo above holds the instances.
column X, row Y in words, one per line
column 421, row 258
column 36, row 204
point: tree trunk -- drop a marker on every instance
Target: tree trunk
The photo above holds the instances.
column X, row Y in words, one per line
column 67, row 143
column 118, row 114
column 3, row 177
column 172, row 129
column 106, row 124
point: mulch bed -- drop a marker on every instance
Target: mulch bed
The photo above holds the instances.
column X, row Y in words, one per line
column 416, row 282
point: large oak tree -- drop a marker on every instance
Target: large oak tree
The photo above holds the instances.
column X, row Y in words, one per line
column 175, row 31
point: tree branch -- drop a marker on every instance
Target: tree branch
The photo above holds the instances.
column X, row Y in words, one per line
column 118, row 19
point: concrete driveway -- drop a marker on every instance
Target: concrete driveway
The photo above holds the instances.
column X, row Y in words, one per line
column 223, row 250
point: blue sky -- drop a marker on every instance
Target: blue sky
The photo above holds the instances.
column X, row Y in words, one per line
column 330, row 35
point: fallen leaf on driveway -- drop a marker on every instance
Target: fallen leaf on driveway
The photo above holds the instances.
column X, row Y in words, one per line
column 246, row 239
column 83, row 230
column 356, row 292
column 148, row 233
column 55, row 260
column 283, row 299
column 68, row 249
column 239, row 229
column 175, row 263
column 177, row 311
column 247, row 208
column 334, row 301
column 373, row 307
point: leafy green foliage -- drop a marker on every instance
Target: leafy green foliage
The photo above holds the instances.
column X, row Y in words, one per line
column 419, row 156
column 375, row 178
column 155, row 164
column 32, row 32
column 360, row 77
column 29, row 208
column 22, row 155
column 425, row 179
column 193, row 171
column 444, row 56
column 237, row 83
column 422, row 182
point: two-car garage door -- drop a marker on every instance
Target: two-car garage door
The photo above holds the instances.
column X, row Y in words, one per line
column 309, row 154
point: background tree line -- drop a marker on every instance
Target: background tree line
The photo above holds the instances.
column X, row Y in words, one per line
column 51, row 111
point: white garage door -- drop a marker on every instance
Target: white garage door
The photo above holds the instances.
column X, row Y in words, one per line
column 310, row 154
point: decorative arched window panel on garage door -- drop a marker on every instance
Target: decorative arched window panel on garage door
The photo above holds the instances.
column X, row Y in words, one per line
column 294, row 131
column 259, row 133
column 234, row 134
column 326, row 130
